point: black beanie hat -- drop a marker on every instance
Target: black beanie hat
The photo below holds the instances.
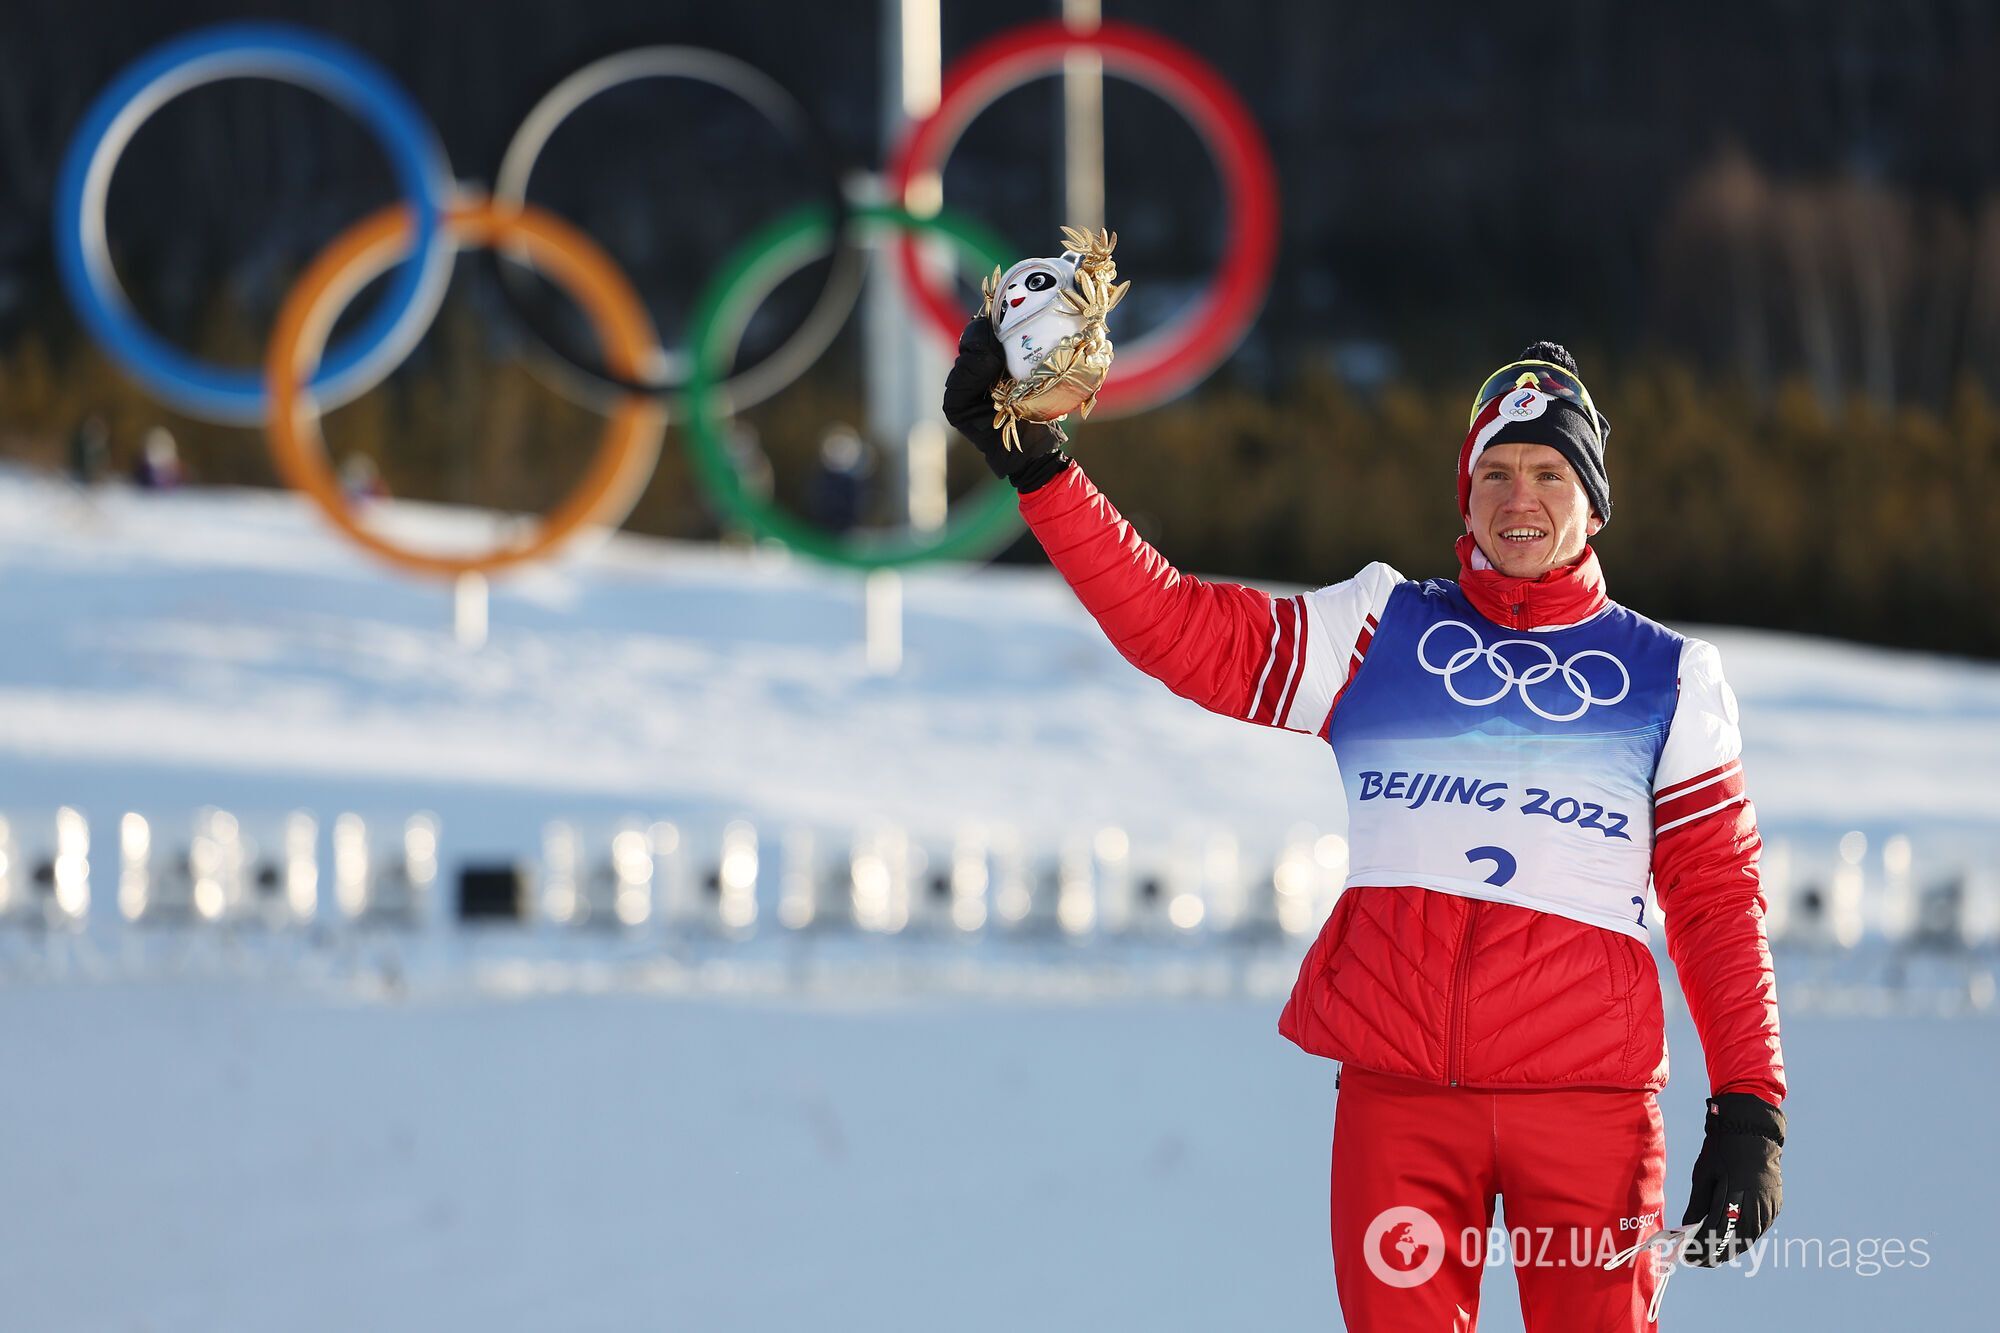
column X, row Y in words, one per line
column 1564, row 425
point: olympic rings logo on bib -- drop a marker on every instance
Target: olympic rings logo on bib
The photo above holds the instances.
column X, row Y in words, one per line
column 1503, row 674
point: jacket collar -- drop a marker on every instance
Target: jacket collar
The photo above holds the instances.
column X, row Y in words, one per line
column 1559, row 598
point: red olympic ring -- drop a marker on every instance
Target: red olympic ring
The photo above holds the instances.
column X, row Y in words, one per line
column 1156, row 368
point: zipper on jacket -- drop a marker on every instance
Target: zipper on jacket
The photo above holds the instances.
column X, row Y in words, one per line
column 1455, row 1012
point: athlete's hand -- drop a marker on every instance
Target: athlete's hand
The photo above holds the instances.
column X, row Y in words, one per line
column 1737, row 1190
column 968, row 406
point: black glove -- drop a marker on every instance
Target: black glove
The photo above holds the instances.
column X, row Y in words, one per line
column 968, row 406
column 1737, row 1191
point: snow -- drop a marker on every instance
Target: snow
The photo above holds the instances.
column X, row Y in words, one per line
column 204, row 1156
column 527, row 1131
column 226, row 647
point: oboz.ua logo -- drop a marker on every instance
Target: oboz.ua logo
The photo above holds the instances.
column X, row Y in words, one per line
column 1404, row 1246
column 1561, row 691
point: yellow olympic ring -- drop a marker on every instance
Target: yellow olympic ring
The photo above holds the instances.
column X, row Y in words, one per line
column 631, row 442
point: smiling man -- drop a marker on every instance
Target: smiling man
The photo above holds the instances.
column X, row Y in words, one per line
column 1529, row 509
column 1522, row 756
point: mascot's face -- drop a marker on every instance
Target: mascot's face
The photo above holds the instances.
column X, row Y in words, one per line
column 1027, row 289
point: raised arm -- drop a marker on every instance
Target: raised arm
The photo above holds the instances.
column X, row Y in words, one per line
column 1231, row 649
column 1235, row 650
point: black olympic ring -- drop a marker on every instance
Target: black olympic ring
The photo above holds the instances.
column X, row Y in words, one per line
column 588, row 378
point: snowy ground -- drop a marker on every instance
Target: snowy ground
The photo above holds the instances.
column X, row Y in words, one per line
column 223, row 1136
column 194, row 1158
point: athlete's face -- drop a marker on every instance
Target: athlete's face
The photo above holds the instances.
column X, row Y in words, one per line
column 1528, row 510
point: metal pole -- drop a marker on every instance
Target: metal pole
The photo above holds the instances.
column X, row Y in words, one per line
column 469, row 610
column 905, row 371
column 882, row 597
column 1083, row 122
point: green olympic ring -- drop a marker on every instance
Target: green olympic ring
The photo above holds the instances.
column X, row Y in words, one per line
column 981, row 524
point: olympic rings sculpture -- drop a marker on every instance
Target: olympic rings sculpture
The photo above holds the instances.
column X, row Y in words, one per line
column 1163, row 364
column 634, row 381
column 1520, row 681
column 632, row 443
column 289, row 55
column 795, row 355
column 976, row 527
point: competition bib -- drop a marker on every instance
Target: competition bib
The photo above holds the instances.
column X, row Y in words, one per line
column 1510, row 765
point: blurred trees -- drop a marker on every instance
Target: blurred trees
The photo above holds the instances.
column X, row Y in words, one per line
column 1731, row 503
column 1728, row 505
column 1850, row 282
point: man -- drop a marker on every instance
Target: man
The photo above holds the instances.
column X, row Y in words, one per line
column 1520, row 755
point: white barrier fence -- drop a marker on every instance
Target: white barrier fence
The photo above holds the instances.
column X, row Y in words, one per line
column 724, row 885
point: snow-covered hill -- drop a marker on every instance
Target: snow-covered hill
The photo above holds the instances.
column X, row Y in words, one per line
column 166, row 651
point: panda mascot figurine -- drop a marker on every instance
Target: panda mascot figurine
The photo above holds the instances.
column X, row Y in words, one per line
column 1049, row 315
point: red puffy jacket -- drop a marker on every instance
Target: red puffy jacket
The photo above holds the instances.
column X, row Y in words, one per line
column 1430, row 985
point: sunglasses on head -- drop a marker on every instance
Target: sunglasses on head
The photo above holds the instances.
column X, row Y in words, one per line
column 1548, row 378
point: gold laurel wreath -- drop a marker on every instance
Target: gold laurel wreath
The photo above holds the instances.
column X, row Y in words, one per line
column 1074, row 369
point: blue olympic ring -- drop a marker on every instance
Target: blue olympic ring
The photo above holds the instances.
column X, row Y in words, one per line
column 289, row 55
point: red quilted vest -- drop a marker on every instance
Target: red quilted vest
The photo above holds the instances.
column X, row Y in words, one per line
column 1477, row 994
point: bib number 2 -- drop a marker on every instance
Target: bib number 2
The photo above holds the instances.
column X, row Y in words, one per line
column 1503, row 861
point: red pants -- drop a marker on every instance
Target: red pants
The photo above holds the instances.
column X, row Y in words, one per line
column 1416, row 1168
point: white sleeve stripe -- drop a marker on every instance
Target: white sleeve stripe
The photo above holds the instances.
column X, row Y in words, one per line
column 1298, row 670
column 1330, row 619
column 1727, row 771
column 1270, row 660
column 1270, row 698
column 1704, row 741
column 1737, row 799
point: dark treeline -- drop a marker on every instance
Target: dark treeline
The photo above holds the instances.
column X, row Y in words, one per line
column 1790, row 209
